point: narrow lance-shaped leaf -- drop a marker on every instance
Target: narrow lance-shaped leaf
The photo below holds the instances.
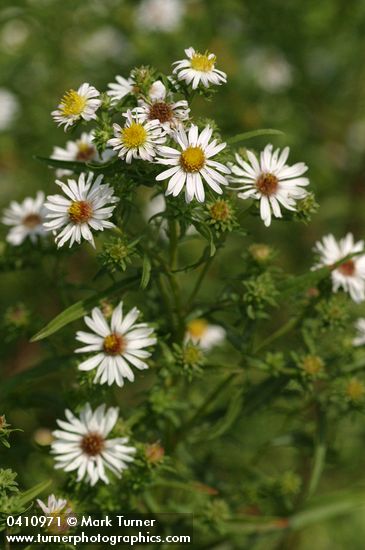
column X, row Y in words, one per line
column 29, row 495
column 77, row 167
column 146, row 272
column 81, row 308
column 233, row 411
column 255, row 133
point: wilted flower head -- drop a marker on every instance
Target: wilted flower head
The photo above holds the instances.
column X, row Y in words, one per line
column 59, row 510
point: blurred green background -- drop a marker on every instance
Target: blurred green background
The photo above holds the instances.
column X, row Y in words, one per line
column 297, row 67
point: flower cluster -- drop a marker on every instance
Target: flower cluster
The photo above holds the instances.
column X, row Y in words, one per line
column 144, row 134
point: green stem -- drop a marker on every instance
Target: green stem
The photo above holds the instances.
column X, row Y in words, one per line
column 165, row 298
column 203, row 407
column 287, row 327
column 319, row 456
column 173, row 230
column 199, row 282
column 7, row 543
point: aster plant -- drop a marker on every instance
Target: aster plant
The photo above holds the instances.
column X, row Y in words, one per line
column 193, row 328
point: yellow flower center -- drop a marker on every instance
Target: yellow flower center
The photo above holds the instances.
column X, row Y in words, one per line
column 92, row 444
column 192, row 159
column 267, row 184
column 220, row 211
column 312, row 364
column 201, row 62
column 355, row 390
column 80, row 212
column 197, row 328
column 192, row 355
column 72, row 103
column 260, row 252
column 114, row 344
column 134, row 135
column 85, row 152
column 32, row 220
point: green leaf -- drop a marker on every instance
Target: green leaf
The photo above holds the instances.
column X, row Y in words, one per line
column 327, row 508
column 305, row 281
column 29, row 495
column 255, row 133
column 81, row 308
column 312, row 278
column 78, row 167
column 146, row 272
column 233, row 410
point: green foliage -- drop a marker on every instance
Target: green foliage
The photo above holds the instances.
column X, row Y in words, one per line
column 246, row 434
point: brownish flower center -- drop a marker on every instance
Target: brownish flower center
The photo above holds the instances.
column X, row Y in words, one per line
column 267, row 184
column 92, row 444
column 161, row 111
column 85, row 152
column 114, row 344
column 80, row 212
column 32, row 220
column 347, row 268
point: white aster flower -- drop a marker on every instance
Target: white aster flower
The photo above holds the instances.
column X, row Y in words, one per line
column 106, row 42
column 84, row 208
column 161, row 107
column 271, row 181
column 192, row 162
column 80, row 150
column 120, row 88
column 359, row 340
column 26, row 218
column 199, row 68
column 60, row 510
column 115, row 346
column 270, row 69
column 203, row 334
column 75, row 105
column 350, row 275
column 82, row 445
column 160, row 15
column 138, row 139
